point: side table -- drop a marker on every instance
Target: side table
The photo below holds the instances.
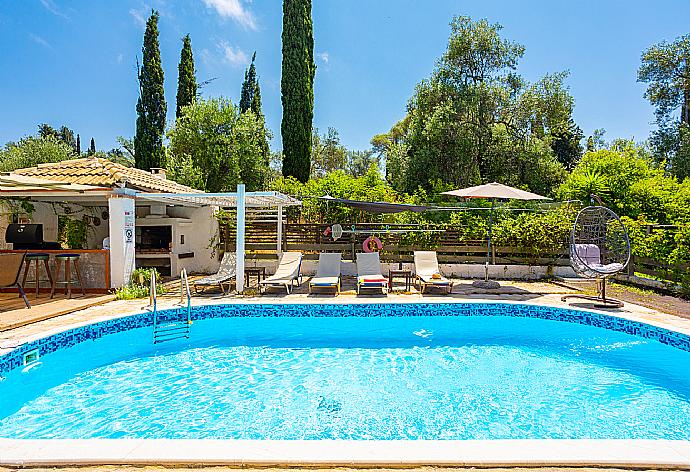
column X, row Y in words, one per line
column 402, row 274
column 258, row 272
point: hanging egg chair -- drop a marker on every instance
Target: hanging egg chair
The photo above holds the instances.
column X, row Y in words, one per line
column 599, row 248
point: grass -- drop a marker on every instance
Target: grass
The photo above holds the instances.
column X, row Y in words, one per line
column 632, row 288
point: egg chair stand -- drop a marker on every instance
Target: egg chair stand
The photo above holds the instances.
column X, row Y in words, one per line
column 600, row 300
column 599, row 249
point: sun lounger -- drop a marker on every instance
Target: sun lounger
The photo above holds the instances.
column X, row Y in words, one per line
column 287, row 273
column 427, row 272
column 327, row 272
column 369, row 272
column 225, row 274
column 10, row 268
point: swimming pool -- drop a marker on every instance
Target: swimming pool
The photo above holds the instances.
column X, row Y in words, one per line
column 375, row 371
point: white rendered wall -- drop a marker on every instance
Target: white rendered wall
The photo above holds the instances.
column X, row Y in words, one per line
column 96, row 234
column 121, row 209
column 200, row 237
column 45, row 214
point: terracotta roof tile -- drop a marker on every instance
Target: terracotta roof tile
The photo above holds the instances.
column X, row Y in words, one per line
column 102, row 172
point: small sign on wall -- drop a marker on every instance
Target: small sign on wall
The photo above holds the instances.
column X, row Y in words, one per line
column 129, row 227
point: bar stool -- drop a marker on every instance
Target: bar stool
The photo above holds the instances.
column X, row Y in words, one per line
column 67, row 258
column 36, row 258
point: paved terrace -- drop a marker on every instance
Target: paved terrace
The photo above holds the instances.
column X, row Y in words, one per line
column 22, row 325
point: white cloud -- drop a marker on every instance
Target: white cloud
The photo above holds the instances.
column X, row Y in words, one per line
column 39, row 40
column 53, row 8
column 233, row 9
column 323, row 56
column 138, row 16
column 225, row 53
column 206, row 56
column 233, row 55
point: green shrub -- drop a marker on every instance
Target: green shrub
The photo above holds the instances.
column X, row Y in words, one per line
column 666, row 246
column 142, row 276
column 536, row 234
column 72, row 233
column 630, row 184
column 139, row 285
column 131, row 292
column 369, row 187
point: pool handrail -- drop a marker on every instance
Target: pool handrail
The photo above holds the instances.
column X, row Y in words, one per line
column 171, row 329
column 153, row 298
column 152, row 292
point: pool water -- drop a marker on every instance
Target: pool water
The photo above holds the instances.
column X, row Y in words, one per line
column 419, row 377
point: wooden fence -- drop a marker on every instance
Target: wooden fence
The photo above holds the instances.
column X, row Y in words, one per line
column 656, row 269
column 398, row 246
column 451, row 246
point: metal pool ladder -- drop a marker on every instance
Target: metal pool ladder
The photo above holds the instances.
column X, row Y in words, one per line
column 179, row 324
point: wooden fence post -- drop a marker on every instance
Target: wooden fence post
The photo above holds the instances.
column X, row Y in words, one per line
column 283, row 237
column 631, row 266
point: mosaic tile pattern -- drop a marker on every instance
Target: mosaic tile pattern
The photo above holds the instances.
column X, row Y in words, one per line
column 94, row 331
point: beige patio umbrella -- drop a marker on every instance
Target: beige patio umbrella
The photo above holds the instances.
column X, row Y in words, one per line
column 493, row 191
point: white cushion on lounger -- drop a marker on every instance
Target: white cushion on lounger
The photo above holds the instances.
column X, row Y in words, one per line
column 369, row 270
column 426, row 266
column 287, row 271
column 328, row 270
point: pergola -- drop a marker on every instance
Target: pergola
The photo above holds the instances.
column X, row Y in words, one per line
column 240, row 200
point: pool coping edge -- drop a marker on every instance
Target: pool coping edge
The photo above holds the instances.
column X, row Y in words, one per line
column 668, row 454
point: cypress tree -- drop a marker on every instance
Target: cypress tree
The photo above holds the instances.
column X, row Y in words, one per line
column 250, row 99
column 78, row 146
column 151, row 106
column 297, row 88
column 248, row 86
column 186, row 79
column 256, row 108
column 256, row 100
column 92, row 147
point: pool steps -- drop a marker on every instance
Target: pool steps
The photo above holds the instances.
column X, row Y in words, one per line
column 172, row 329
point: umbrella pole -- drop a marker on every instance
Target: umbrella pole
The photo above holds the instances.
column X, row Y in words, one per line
column 488, row 244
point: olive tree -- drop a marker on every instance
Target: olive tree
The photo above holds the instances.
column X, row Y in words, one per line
column 215, row 147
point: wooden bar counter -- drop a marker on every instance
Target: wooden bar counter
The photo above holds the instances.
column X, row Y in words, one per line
column 94, row 264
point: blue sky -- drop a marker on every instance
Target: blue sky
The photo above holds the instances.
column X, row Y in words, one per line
column 73, row 62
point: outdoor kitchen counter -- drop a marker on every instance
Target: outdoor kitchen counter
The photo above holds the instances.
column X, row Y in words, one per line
column 94, row 264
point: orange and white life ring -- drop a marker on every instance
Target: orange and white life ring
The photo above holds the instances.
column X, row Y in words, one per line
column 372, row 244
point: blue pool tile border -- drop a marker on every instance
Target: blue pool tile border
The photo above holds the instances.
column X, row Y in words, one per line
column 74, row 336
